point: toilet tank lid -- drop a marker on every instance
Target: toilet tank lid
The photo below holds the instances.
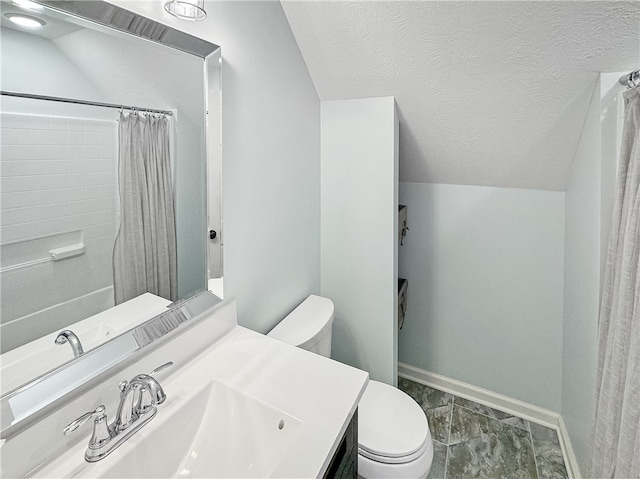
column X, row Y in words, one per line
column 304, row 323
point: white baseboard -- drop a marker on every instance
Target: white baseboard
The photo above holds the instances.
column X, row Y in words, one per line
column 570, row 459
column 504, row 403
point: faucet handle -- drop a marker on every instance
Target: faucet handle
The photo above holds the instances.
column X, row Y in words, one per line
column 162, row 367
column 99, row 413
column 122, row 386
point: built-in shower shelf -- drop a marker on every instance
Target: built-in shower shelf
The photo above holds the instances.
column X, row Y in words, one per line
column 56, row 247
column 65, row 252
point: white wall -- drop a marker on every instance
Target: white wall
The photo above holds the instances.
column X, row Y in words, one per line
column 359, row 231
column 485, row 271
column 271, row 157
column 582, row 283
column 589, row 204
column 27, row 60
column 611, row 126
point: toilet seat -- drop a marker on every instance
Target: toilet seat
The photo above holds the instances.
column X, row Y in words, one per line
column 392, row 427
column 417, row 469
column 394, row 460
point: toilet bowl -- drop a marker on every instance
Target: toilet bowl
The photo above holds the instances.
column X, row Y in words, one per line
column 394, row 440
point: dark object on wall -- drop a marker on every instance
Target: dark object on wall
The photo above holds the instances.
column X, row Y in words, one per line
column 403, row 285
column 402, row 222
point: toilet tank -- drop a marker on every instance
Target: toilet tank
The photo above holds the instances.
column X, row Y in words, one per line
column 308, row 326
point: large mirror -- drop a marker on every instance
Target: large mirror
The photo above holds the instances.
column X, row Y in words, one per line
column 104, row 161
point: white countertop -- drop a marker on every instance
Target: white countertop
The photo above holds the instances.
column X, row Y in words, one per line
column 323, row 394
column 320, row 392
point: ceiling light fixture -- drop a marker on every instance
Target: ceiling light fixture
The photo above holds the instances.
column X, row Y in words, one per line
column 25, row 21
column 28, row 4
column 186, row 9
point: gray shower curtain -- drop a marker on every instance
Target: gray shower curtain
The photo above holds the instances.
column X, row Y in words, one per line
column 144, row 254
column 616, row 434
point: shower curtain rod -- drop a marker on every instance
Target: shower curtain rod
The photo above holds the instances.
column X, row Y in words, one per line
column 83, row 102
column 630, row 79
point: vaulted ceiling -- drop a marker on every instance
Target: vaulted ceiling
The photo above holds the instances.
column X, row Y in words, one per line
column 488, row 93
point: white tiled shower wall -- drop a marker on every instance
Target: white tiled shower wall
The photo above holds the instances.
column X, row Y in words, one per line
column 56, row 175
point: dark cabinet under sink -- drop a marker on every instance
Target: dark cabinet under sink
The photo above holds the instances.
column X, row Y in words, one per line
column 344, row 464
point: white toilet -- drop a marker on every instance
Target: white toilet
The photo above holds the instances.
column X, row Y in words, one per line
column 394, row 441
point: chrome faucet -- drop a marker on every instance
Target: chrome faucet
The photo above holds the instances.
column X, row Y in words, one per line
column 69, row 336
column 137, row 397
column 138, row 400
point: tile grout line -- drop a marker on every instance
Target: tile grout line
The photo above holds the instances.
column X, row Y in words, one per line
column 453, row 402
column 533, row 448
column 495, row 418
column 446, row 463
column 446, row 458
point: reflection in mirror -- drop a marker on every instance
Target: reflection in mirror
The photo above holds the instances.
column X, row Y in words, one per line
column 19, row 404
column 63, row 193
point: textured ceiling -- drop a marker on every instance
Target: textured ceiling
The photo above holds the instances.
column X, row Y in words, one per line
column 488, row 93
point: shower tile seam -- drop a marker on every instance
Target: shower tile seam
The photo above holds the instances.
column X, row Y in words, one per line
column 59, row 216
column 53, row 189
column 72, row 202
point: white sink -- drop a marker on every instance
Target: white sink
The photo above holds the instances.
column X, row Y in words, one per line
column 218, row 432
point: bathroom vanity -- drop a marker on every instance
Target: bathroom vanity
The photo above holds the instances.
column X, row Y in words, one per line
column 344, row 464
column 246, row 406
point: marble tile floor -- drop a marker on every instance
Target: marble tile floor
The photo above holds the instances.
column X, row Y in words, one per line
column 475, row 441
